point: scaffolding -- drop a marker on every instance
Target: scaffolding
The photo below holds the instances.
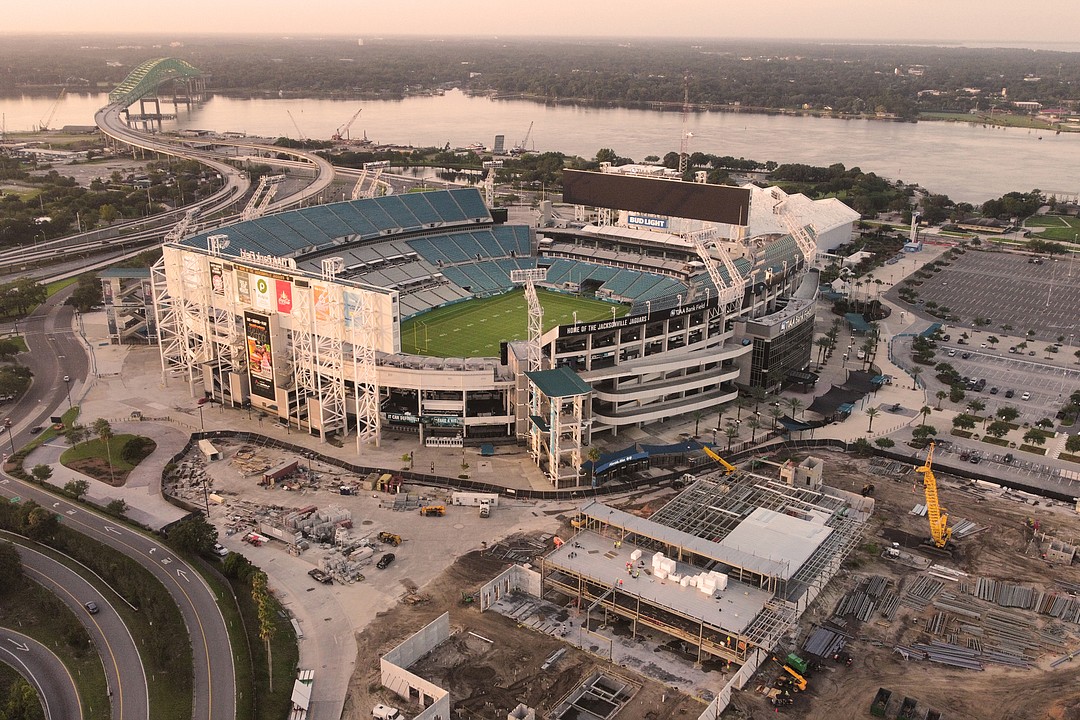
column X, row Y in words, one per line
column 318, row 349
column 362, row 324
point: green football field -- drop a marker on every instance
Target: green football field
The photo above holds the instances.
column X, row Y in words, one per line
column 476, row 327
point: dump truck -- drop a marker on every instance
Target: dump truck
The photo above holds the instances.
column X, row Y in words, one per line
column 485, row 508
column 433, row 510
column 881, row 702
column 907, row 709
column 390, row 538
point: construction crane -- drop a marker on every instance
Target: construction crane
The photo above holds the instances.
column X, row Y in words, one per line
column 47, row 120
column 520, row 147
column 342, row 133
column 728, row 467
column 299, row 132
column 940, row 532
column 684, row 141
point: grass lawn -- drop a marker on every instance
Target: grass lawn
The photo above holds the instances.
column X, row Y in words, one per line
column 269, row 705
column 1054, row 227
column 55, row 287
column 475, row 328
column 92, row 458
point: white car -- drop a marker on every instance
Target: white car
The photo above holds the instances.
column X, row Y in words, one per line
column 1026, row 396
column 952, row 353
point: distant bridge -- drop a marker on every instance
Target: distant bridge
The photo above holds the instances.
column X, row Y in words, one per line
column 144, row 80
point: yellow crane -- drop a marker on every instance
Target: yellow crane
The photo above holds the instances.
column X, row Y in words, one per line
column 728, row 467
column 940, row 532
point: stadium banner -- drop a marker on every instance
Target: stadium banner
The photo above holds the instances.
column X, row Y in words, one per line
column 632, row 320
column 321, row 300
column 657, row 196
column 647, row 221
column 260, row 355
column 262, row 293
column 283, row 294
column 243, row 286
column 217, row 278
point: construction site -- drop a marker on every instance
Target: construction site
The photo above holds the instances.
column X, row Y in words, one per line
column 985, row 627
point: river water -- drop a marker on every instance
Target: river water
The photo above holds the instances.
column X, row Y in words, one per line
column 966, row 162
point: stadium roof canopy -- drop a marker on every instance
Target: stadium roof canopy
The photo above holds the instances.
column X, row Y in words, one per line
column 560, row 382
column 299, row 232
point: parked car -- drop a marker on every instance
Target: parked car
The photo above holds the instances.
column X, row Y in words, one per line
column 974, row 458
column 1026, row 396
column 952, row 352
column 384, row 561
column 1009, row 393
column 965, row 356
column 993, row 391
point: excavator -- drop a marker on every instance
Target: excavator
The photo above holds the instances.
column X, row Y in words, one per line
column 728, row 467
column 940, row 532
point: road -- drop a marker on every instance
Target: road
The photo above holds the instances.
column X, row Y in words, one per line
column 44, row 671
column 55, row 351
column 214, row 682
column 119, row 655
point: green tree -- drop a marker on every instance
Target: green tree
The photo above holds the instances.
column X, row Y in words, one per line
column 732, row 432
column 697, row 415
column 940, row 395
column 925, row 411
column 915, row 372
column 998, row 428
column 1008, row 413
column 38, row 523
column 117, row 507
column 1034, row 436
column 76, row 433
column 956, row 393
column 884, row 442
column 1073, row 443
column 871, row 413
column 41, row 472
column 77, row 488
column 261, row 594
column 754, row 424
column 795, row 404
column 103, row 430
column 963, row 421
column 10, row 565
column 922, row 433
column 9, row 349
column 22, row 702
column 193, row 534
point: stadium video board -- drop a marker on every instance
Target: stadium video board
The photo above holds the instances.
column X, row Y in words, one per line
column 657, row 196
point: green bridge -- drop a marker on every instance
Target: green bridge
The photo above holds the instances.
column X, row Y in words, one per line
column 144, row 80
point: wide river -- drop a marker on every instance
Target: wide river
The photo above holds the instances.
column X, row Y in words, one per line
column 966, row 162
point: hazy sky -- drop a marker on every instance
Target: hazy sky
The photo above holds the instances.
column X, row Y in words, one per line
column 1008, row 21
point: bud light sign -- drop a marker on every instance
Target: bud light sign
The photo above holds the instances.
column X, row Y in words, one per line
column 656, row 223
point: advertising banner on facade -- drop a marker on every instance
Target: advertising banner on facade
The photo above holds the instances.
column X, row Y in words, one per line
column 243, row 286
column 262, row 293
column 321, row 296
column 260, row 355
column 217, row 278
column 283, row 296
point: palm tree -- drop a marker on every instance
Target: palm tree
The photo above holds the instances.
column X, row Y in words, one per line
column 823, row 344
column 871, row 413
column 925, row 411
column 795, row 404
column 776, row 414
column 753, row 423
column 103, row 430
column 732, row 432
column 940, row 395
column 697, row 415
column 740, row 404
column 759, row 395
column 915, row 372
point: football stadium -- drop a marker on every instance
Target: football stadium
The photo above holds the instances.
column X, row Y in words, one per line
column 422, row 313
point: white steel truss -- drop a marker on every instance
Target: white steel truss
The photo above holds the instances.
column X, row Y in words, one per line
column 260, row 199
column 181, row 228
column 729, row 291
column 363, row 328
column 329, row 354
column 369, row 184
column 803, row 234
column 183, row 325
column 489, row 182
column 529, row 277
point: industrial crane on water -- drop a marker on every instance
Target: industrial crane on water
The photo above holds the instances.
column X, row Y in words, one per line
column 940, row 532
column 342, row 133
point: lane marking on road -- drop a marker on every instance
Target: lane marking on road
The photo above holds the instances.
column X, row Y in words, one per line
column 19, row 646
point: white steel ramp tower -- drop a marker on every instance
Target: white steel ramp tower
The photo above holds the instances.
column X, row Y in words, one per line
column 491, row 166
column 318, row 311
column 559, row 424
column 802, row 233
column 730, row 291
column 370, row 184
column 260, row 199
column 529, row 277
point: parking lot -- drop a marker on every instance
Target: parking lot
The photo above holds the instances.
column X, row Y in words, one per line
column 1049, row 385
column 1009, row 290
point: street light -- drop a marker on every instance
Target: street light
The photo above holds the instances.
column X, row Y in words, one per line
column 7, row 426
column 67, row 386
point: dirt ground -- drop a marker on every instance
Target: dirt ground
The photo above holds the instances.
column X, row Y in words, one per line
column 487, row 680
column 1003, row 552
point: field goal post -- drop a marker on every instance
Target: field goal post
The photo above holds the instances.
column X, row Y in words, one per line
column 529, row 277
